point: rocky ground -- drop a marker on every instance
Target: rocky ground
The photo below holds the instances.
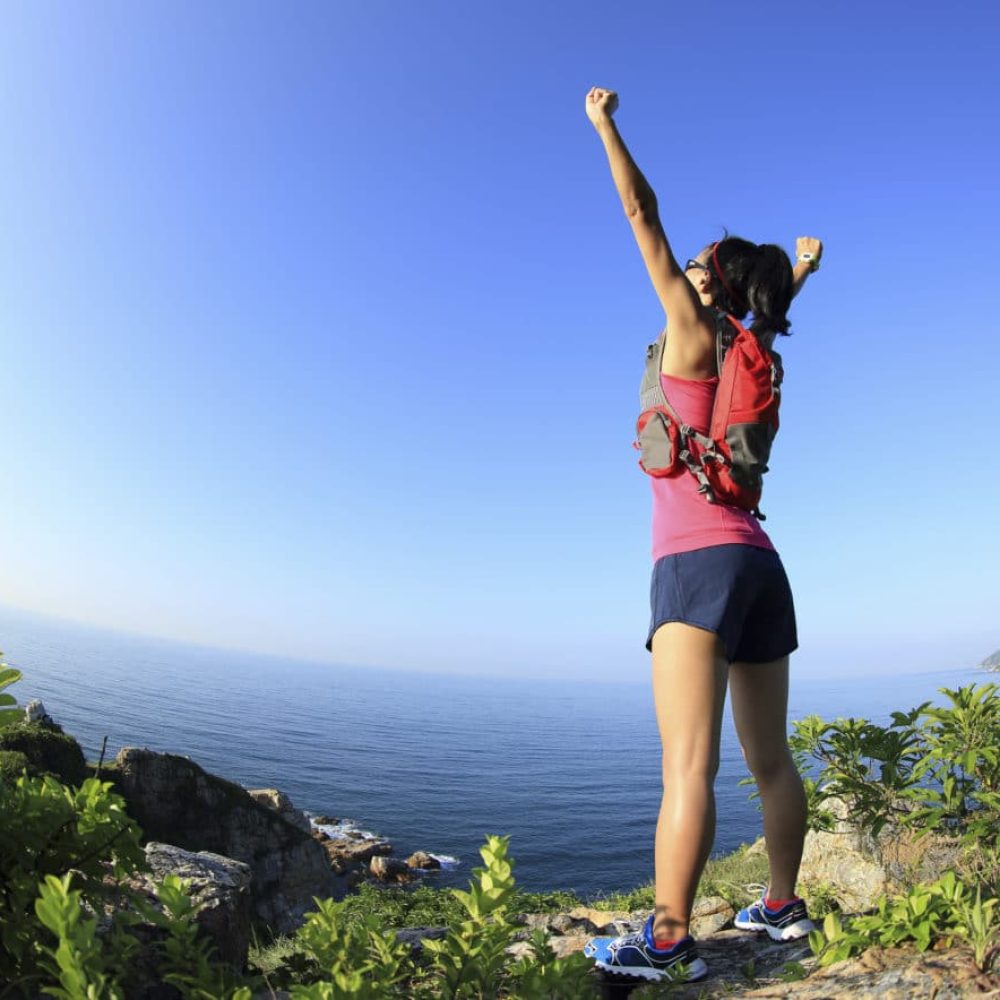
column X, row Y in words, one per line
column 749, row 965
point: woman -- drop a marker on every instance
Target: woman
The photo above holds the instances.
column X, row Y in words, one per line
column 721, row 606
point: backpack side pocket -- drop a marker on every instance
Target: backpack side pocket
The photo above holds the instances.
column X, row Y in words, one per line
column 657, row 439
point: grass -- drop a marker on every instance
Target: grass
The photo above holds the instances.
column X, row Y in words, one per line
column 268, row 959
column 728, row 877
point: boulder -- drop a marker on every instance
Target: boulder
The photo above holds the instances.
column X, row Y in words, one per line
column 390, row 870
column 175, row 801
column 219, row 887
column 416, row 936
column 282, row 805
column 423, row 861
column 833, row 860
column 34, row 711
column 604, row 921
column 709, row 915
column 350, row 853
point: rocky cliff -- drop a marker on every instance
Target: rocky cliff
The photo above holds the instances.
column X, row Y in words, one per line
column 177, row 802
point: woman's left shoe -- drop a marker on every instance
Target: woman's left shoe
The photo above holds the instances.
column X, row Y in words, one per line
column 788, row 923
column 636, row 955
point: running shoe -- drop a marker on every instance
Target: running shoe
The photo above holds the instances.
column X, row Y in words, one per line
column 789, row 922
column 635, row 955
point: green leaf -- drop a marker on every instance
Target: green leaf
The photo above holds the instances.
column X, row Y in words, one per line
column 8, row 676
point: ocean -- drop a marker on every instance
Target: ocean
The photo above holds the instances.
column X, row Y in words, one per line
column 431, row 762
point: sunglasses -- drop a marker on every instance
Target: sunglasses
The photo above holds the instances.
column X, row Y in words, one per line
column 696, row 265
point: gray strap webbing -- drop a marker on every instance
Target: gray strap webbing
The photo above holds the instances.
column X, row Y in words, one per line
column 693, row 466
column 651, row 392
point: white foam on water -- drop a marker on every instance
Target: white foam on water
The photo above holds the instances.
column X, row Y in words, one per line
column 447, row 862
column 345, row 829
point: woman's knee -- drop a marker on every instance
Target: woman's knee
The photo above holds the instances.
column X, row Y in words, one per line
column 769, row 763
column 691, row 766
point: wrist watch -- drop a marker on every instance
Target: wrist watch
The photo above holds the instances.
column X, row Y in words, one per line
column 811, row 259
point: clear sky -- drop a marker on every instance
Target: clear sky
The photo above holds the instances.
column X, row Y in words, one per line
column 322, row 324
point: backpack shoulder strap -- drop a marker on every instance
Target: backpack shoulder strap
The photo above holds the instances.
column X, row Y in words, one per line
column 650, row 391
column 726, row 330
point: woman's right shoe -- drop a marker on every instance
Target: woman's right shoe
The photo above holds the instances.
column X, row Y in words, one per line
column 636, row 955
column 788, row 923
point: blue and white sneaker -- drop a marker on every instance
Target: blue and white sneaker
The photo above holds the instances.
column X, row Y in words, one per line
column 635, row 955
column 788, row 923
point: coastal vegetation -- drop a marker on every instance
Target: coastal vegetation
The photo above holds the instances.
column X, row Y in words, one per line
column 920, row 794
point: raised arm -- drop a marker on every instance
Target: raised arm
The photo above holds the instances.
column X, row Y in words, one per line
column 692, row 331
column 808, row 251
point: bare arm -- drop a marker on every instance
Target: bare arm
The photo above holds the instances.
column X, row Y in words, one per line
column 692, row 331
column 808, row 251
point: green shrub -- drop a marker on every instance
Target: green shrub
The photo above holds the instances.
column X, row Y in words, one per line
column 48, row 750
column 942, row 911
column 931, row 769
column 47, row 828
column 13, row 764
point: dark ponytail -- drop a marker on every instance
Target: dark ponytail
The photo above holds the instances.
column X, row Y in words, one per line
column 752, row 278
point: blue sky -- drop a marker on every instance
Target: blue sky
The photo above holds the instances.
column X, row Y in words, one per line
column 322, row 325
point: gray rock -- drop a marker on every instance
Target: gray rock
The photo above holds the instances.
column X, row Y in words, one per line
column 34, row 711
column 219, row 887
column 415, row 936
column 175, row 801
column 834, row 860
column 709, row 915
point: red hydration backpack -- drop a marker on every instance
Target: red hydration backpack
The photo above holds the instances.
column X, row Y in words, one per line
column 729, row 462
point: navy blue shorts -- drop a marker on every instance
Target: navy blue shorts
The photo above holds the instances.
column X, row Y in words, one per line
column 740, row 592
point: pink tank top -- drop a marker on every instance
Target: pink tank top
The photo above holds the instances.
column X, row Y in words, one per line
column 683, row 519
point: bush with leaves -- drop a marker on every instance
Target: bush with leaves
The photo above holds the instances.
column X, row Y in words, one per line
column 932, row 768
column 49, row 829
column 943, row 911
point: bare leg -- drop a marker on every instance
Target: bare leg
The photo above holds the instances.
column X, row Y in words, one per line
column 689, row 689
column 760, row 706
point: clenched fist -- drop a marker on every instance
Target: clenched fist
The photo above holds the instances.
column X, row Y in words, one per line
column 601, row 104
column 808, row 248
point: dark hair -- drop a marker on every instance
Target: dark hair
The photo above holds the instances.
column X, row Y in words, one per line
column 755, row 279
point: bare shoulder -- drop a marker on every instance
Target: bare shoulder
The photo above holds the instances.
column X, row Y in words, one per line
column 689, row 351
